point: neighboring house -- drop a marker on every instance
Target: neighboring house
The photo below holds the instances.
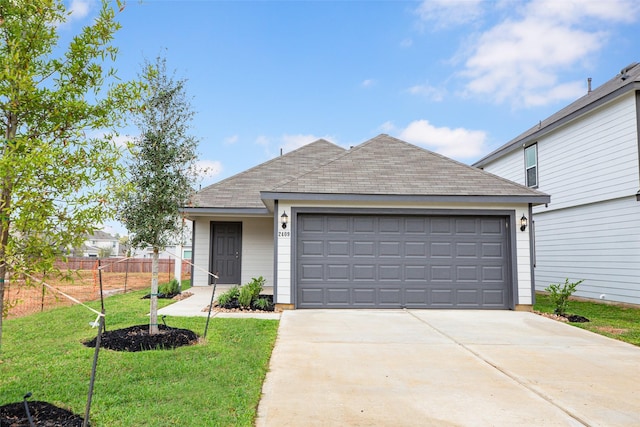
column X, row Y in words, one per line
column 170, row 252
column 385, row 224
column 101, row 242
column 586, row 157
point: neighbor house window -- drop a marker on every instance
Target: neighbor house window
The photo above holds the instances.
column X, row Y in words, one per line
column 531, row 165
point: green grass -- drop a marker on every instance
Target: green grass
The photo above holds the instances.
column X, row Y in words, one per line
column 213, row 383
column 614, row 321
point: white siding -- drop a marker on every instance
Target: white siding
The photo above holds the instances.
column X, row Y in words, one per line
column 201, row 247
column 589, row 167
column 522, row 267
column 257, row 248
column 599, row 243
column 283, row 287
column 593, row 159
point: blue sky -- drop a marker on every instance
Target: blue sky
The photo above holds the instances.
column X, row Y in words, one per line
column 457, row 77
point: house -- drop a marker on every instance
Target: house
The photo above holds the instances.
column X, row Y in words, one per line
column 385, row 224
column 586, row 157
column 102, row 244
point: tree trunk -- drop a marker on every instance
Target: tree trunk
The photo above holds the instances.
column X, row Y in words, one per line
column 153, row 317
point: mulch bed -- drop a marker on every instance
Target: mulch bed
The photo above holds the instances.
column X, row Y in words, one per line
column 137, row 338
column 43, row 414
column 573, row 318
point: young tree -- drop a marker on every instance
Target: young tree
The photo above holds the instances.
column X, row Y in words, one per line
column 59, row 112
column 162, row 171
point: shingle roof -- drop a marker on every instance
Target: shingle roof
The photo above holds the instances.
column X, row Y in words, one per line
column 388, row 166
column 628, row 79
column 383, row 167
column 243, row 190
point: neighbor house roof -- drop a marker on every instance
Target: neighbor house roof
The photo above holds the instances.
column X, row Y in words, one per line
column 627, row 80
column 386, row 167
column 383, row 168
column 242, row 191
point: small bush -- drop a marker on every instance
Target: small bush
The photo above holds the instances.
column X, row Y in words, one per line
column 560, row 293
column 170, row 288
column 227, row 297
column 262, row 304
column 245, row 297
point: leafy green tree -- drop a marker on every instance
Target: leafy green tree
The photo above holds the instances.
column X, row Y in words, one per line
column 162, row 171
column 60, row 112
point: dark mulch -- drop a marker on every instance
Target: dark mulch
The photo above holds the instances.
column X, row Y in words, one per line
column 43, row 414
column 576, row 318
column 162, row 296
column 137, row 338
column 235, row 305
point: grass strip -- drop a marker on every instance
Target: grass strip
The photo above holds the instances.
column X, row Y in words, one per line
column 614, row 321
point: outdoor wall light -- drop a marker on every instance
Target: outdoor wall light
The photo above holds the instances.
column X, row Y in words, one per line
column 284, row 219
column 523, row 223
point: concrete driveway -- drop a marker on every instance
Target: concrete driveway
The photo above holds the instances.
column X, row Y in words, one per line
column 446, row 368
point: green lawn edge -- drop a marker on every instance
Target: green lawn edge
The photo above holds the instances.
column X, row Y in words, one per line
column 217, row 382
column 619, row 322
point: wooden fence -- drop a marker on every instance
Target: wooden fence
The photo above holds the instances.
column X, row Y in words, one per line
column 121, row 265
column 117, row 275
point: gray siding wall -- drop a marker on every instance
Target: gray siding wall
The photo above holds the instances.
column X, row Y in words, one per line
column 590, row 169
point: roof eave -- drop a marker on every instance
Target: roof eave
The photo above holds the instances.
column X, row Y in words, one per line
column 520, row 142
column 535, row 199
column 235, row 211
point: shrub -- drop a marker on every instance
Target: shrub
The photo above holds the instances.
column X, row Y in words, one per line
column 256, row 285
column 245, row 297
column 226, row 297
column 170, row 288
column 560, row 293
column 262, row 304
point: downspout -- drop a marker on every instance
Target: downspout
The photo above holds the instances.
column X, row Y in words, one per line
column 275, row 252
column 532, row 253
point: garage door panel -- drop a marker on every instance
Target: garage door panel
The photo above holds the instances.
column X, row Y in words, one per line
column 402, row 261
column 390, row 272
column 389, row 249
column 440, row 250
column 337, row 248
column 415, row 249
column 415, row 273
column 312, row 272
column 338, row 272
column 364, row 248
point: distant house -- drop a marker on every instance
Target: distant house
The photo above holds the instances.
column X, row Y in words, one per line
column 585, row 157
column 100, row 243
column 385, row 224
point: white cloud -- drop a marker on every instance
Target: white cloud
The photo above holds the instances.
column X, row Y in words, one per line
column 78, row 9
column 431, row 92
column 456, row 143
column 293, row 142
column 521, row 60
column 448, row 13
column 208, row 168
column 406, row 43
column 368, row 83
column 230, row 140
column 262, row 140
column 387, row 127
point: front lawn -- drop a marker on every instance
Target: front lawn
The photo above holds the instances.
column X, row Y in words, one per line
column 621, row 323
column 212, row 383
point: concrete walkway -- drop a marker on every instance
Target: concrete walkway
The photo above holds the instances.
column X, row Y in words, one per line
column 446, row 368
column 196, row 304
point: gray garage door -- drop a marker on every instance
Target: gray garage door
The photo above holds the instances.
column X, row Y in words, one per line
column 372, row 261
